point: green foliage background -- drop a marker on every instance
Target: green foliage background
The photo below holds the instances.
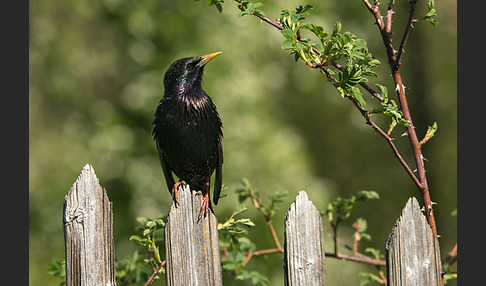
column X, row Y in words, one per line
column 95, row 77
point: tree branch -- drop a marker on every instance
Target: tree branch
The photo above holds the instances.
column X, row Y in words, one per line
column 394, row 62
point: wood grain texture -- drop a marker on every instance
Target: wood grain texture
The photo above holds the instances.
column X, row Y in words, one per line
column 191, row 245
column 412, row 251
column 304, row 256
column 88, row 233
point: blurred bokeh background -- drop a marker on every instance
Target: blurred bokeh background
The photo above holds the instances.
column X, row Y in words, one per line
column 95, row 78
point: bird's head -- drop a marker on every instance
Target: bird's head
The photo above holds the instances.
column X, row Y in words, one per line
column 186, row 73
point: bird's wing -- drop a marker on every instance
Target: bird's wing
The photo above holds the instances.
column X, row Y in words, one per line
column 165, row 168
column 219, row 172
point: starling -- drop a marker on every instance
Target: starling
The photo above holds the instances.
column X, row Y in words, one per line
column 188, row 131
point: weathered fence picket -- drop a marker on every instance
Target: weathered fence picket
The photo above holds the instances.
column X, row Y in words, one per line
column 412, row 251
column 88, row 233
column 191, row 244
column 304, row 256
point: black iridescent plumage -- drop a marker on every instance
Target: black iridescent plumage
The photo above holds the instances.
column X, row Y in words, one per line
column 188, row 130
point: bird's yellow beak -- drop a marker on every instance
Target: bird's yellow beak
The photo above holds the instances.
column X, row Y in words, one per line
column 207, row 58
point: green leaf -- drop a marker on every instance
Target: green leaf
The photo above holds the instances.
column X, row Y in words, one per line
column 360, row 44
column 287, row 45
column 383, row 91
column 141, row 220
column 362, row 225
column 374, row 62
column 356, row 54
column 430, row 132
column 449, row 276
column 245, row 221
column 135, row 238
column 146, row 232
column 368, row 278
column 336, row 28
column 367, row 195
column 289, row 34
column 301, row 46
column 373, row 251
column 356, row 93
column 341, row 91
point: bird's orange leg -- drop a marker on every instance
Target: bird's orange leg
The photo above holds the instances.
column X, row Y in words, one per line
column 205, row 204
column 175, row 188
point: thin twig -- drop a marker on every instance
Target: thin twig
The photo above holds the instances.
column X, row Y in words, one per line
column 361, row 259
column 249, row 255
column 382, row 276
column 359, row 256
column 376, row 12
column 274, row 235
column 156, row 271
column 406, row 33
column 271, row 22
column 451, row 256
column 257, row 200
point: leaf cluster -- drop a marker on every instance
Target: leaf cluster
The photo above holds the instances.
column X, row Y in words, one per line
column 389, row 107
column 148, row 239
column 57, row 268
column 340, row 209
column 233, row 239
column 430, row 16
column 331, row 48
column 216, row 3
column 249, row 8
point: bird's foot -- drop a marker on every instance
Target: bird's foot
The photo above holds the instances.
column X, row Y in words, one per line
column 174, row 190
column 205, row 204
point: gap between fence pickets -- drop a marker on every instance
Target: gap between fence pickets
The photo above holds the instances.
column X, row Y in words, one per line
column 88, row 232
column 412, row 250
column 191, row 244
column 304, row 254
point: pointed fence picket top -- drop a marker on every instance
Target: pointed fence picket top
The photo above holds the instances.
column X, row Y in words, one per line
column 88, row 233
column 412, row 250
column 191, row 244
column 304, row 256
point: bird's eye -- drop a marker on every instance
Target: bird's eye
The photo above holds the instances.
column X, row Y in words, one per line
column 190, row 66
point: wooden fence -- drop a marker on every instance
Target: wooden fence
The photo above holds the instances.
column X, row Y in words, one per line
column 192, row 245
